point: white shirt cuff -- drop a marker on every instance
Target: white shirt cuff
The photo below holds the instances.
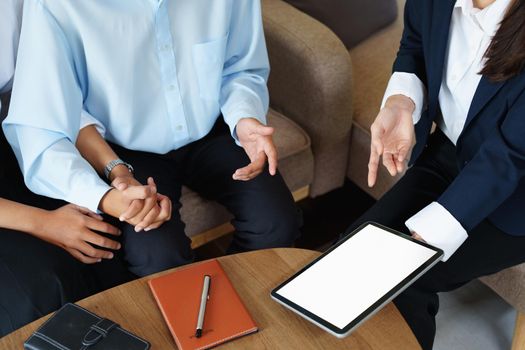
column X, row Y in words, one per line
column 87, row 119
column 439, row 228
column 407, row 84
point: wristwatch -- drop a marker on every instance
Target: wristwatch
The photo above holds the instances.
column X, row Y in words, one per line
column 111, row 165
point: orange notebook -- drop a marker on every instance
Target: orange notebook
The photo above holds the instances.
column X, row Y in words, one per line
column 178, row 295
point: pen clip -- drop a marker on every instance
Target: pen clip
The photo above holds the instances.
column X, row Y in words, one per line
column 209, row 286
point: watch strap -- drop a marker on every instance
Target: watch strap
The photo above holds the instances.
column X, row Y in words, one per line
column 111, row 165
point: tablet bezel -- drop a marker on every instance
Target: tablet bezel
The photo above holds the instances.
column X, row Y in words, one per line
column 343, row 332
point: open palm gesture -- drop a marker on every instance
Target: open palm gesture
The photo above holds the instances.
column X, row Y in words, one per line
column 257, row 141
column 393, row 137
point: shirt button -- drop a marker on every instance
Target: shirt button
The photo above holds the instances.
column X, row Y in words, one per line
column 165, row 47
column 179, row 128
column 171, row 87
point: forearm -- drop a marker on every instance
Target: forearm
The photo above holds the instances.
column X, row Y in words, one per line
column 20, row 217
column 244, row 92
column 53, row 167
column 98, row 153
column 94, row 148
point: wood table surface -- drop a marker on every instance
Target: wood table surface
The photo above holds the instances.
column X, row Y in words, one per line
column 254, row 275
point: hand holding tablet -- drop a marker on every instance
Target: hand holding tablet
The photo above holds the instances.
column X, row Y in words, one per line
column 356, row 278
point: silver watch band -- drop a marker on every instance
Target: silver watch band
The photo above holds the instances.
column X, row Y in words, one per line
column 111, row 165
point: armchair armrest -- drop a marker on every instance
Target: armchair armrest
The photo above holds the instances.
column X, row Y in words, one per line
column 311, row 82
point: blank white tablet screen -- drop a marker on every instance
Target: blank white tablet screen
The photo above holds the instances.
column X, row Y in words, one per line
column 351, row 278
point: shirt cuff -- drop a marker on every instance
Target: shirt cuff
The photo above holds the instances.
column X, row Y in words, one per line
column 439, row 228
column 233, row 116
column 87, row 119
column 407, row 84
column 90, row 196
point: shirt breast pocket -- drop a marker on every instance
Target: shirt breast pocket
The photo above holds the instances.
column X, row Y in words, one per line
column 208, row 58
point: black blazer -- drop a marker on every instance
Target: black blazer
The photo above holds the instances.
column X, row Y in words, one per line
column 491, row 147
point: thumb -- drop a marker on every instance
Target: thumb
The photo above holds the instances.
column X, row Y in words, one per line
column 121, row 186
column 152, row 185
column 264, row 130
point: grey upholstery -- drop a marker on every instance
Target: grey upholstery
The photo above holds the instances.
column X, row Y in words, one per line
column 311, row 84
column 352, row 20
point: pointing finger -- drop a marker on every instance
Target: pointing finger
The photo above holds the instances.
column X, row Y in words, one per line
column 373, row 165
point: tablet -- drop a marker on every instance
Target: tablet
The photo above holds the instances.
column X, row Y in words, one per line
column 356, row 278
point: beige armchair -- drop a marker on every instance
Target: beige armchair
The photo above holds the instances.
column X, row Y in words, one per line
column 510, row 285
column 311, row 84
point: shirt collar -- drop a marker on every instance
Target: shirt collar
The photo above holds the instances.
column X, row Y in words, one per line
column 489, row 18
column 466, row 6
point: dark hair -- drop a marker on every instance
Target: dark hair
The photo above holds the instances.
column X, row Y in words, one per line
column 506, row 52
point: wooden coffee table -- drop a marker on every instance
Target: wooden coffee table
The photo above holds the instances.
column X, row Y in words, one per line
column 254, row 275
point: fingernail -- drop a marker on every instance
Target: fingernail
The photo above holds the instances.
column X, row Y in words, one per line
column 118, row 246
column 138, row 229
column 119, row 232
column 147, row 229
column 111, row 256
column 121, row 218
column 99, row 260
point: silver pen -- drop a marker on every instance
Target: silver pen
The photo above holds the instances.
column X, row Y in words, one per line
column 202, row 309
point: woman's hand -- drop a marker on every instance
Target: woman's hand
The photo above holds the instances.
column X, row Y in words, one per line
column 392, row 137
column 72, row 228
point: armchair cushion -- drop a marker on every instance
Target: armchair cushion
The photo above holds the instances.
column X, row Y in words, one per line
column 510, row 285
column 352, row 20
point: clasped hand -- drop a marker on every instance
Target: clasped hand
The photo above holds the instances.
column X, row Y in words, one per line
column 146, row 208
column 80, row 231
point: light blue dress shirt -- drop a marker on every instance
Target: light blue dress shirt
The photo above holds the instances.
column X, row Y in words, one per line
column 153, row 75
column 10, row 14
